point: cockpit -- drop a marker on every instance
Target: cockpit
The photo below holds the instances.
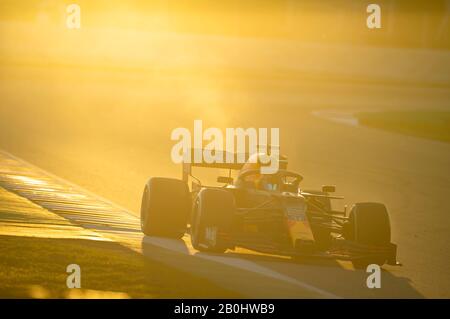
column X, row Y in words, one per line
column 282, row 181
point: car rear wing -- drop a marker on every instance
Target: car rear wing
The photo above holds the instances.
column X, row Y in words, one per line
column 232, row 161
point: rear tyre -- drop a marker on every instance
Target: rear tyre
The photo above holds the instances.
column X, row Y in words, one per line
column 369, row 224
column 212, row 219
column 165, row 207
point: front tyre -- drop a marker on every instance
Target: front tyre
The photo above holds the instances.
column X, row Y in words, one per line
column 369, row 224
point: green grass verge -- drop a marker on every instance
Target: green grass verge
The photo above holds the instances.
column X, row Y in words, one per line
column 105, row 266
column 427, row 124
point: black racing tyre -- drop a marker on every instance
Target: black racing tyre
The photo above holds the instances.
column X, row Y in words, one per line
column 369, row 224
column 165, row 207
column 212, row 216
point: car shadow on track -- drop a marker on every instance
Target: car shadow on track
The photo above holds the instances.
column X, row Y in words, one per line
column 338, row 277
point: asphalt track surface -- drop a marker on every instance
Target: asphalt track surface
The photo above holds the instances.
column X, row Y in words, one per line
column 253, row 276
column 107, row 129
column 419, row 228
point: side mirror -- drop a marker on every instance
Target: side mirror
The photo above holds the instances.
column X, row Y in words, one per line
column 328, row 188
column 225, row 180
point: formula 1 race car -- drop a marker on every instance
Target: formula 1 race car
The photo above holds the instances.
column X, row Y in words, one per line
column 266, row 213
